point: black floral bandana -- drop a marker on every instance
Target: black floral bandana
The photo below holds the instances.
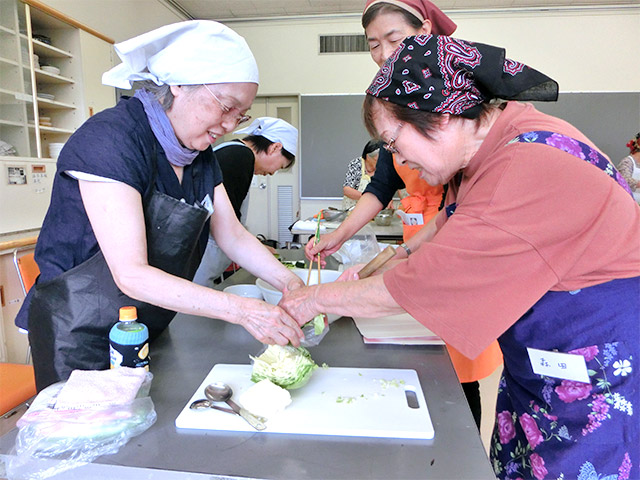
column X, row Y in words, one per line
column 436, row 73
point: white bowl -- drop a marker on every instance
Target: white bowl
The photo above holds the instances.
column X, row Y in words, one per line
column 51, row 69
column 244, row 290
column 54, row 149
column 272, row 295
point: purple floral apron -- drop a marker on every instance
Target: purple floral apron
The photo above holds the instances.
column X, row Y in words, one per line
column 550, row 428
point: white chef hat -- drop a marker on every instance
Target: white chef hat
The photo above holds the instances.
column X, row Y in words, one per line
column 184, row 53
column 276, row 130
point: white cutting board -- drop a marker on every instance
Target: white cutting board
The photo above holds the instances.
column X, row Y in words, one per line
column 360, row 402
column 400, row 329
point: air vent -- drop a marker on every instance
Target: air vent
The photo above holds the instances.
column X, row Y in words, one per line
column 285, row 213
column 343, row 43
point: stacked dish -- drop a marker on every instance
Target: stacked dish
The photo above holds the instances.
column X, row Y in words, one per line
column 45, row 121
column 46, row 96
column 42, row 38
column 50, row 69
column 54, row 149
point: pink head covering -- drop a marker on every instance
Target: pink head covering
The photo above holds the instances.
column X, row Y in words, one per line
column 423, row 10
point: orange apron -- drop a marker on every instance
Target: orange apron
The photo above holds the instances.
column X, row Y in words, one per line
column 425, row 199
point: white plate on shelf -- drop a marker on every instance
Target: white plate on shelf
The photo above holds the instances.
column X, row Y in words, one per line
column 46, row 96
column 51, row 69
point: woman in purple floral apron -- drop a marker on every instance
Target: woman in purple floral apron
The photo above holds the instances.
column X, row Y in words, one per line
column 538, row 247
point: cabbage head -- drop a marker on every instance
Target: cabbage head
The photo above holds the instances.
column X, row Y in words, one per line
column 288, row 367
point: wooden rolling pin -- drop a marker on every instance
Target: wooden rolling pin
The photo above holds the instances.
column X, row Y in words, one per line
column 379, row 260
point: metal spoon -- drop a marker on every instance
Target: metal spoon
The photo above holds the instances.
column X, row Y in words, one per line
column 221, row 392
column 204, row 404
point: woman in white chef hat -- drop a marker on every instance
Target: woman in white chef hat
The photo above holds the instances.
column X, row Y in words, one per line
column 137, row 192
column 270, row 144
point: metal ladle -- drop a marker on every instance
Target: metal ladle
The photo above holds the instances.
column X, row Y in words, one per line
column 221, row 392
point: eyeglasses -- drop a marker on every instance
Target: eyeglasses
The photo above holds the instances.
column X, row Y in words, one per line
column 390, row 146
column 239, row 118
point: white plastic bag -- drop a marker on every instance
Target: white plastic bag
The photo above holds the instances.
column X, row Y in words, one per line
column 361, row 248
column 51, row 441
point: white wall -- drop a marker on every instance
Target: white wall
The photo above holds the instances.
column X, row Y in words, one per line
column 117, row 19
column 583, row 49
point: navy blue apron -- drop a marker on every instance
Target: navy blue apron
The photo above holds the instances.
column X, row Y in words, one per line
column 553, row 428
column 75, row 311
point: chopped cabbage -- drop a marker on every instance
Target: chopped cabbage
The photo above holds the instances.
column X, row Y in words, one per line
column 288, row 367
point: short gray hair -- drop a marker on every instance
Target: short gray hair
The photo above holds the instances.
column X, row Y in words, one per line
column 163, row 92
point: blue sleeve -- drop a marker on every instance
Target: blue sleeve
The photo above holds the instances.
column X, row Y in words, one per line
column 112, row 144
column 386, row 181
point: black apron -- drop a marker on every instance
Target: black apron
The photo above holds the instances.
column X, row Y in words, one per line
column 71, row 315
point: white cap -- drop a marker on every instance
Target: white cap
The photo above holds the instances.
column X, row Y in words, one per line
column 276, row 130
column 184, row 53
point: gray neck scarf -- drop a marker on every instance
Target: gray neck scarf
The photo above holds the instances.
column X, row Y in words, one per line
column 177, row 155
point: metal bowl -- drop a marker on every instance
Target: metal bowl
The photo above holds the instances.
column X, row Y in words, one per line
column 330, row 215
column 384, row 217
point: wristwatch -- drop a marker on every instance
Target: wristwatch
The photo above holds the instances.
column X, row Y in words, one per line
column 406, row 248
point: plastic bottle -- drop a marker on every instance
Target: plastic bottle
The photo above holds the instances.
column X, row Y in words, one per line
column 129, row 341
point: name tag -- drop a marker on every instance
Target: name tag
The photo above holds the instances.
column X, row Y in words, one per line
column 411, row 218
column 565, row 366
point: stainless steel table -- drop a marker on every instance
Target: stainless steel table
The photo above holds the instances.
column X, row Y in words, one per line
column 183, row 355
column 391, row 233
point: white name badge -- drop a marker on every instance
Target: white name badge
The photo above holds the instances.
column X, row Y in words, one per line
column 565, row 366
column 411, row 218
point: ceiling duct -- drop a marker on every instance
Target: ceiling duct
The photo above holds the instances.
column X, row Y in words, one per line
column 343, row 43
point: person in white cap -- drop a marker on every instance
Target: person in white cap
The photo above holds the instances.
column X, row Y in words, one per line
column 271, row 144
column 136, row 194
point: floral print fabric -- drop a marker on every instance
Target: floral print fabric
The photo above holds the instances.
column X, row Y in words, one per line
column 577, row 149
column 553, row 428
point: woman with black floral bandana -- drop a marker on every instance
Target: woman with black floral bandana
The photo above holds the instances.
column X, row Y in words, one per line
column 520, row 254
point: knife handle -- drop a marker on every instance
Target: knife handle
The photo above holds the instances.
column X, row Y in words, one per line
column 247, row 415
column 383, row 257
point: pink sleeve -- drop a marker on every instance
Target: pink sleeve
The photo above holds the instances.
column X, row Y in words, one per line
column 470, row 283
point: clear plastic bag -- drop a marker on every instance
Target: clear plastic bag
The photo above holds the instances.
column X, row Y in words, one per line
column 312, row 335
column 361, row 248
column 51, row 441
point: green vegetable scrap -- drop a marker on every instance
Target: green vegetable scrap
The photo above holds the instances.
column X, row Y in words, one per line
column 318, row 324
column 391, row 383
column 345, row 399
column 288, row 367
column 292, row 263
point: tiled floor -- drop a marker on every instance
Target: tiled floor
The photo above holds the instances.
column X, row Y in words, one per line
column 488, row 392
